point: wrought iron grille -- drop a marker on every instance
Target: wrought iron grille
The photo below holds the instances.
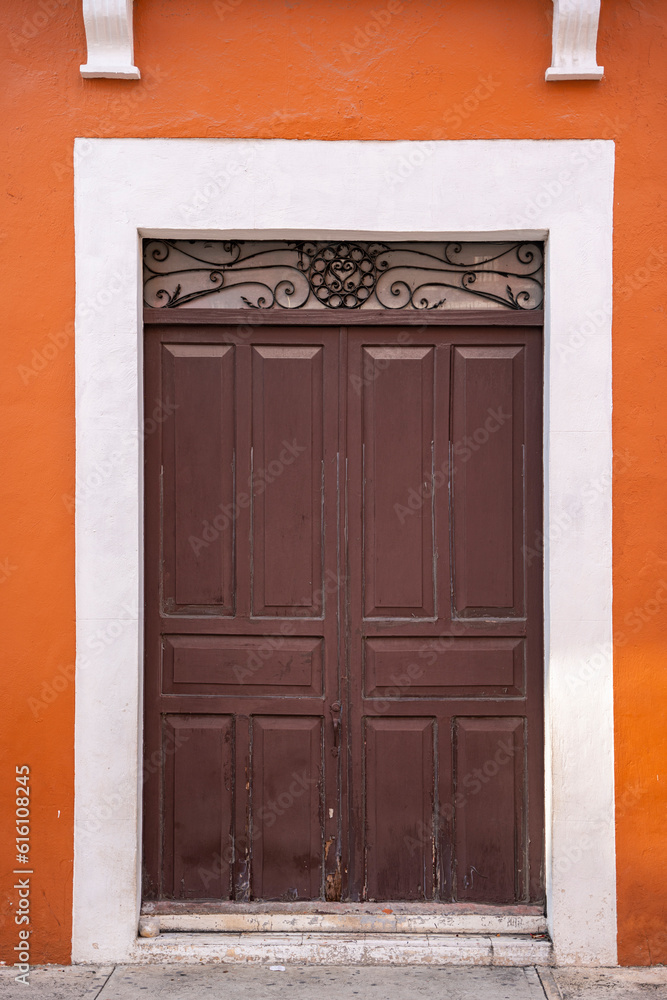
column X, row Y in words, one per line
column 342, row 274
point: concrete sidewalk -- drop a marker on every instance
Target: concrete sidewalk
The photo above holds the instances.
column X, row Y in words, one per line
column 259, row 982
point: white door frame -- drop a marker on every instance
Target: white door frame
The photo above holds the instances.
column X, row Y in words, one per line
column 559, row 190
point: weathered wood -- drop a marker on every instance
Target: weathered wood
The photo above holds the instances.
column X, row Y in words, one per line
column 344, row 516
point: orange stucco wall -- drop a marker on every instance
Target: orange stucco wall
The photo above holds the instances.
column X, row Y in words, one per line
column 314, row 69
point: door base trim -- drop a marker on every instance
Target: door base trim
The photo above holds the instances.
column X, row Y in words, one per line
column 346, row 949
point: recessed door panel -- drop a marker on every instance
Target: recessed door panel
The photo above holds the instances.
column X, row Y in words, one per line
column 244, row 666
column 444, row 667
column 286, row 809
column 399, row 559
column 287, row 480
column 400, row 808
column 197, row 415
column 197, row 752
column 488, row 480
column 490, row 815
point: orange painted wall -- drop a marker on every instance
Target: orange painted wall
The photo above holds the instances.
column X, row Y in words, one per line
column 312, row 69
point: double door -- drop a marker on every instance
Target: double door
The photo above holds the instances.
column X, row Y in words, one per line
column 343, row 695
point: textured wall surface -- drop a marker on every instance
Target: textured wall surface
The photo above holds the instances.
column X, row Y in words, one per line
column 325, row 69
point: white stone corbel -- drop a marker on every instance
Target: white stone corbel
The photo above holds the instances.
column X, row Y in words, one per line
column 109, row 39
column 575, row 35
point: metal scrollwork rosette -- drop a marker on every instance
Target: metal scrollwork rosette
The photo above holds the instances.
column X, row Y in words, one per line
column 342, row 275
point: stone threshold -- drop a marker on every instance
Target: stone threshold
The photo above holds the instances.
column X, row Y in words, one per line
column 502, row 949
column 339, row 918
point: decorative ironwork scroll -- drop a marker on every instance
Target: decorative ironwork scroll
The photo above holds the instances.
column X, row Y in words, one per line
column 342, row 274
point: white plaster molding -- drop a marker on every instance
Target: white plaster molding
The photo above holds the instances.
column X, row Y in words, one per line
column 109, row 39
column 218, row 188
column 575, row 34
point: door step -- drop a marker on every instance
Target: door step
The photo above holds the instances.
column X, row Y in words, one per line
column 346, row 949
column 340, row 934
column 287, row 918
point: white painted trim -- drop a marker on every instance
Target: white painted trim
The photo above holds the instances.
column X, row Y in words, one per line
column 109, row 39
column 256, row 189
column 575, row 35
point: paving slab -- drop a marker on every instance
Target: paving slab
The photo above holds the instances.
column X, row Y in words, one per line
column 611, row 984
column 235, row 982
column 55, row 982
column 298, row 982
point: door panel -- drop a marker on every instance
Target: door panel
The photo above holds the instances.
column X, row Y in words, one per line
column 343, row 640
column 287, row 808
column 471, row 667
column 488, row 480
column 199, row 382
column 242, row 665
column 397, row 435
column 199, row 790
column 400, row 808
column 287, row 455
column 489, row 822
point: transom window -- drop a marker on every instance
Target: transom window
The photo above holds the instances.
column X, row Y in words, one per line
column 342, row 274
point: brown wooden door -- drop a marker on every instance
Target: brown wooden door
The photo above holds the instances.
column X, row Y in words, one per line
column 344, row 637
column 242, row 637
